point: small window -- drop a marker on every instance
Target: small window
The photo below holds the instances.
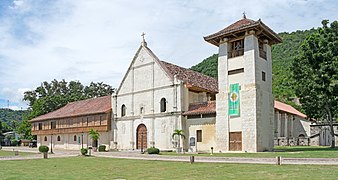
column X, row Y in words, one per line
column 237, row 48
column 100, row 120
column 75, row 138
column 263, row 76
column 87, row 121
column 199, row 135
column 40, row 126
column 123, row 110
column 59, row 138
column 142, row 110
column 45, row 138
column 163, row 105
column 53, row 125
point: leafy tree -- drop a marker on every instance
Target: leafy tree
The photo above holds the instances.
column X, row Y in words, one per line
column 180, row 134
column 94, row 135
column 24, row 129
column 315, row 71
column 54, row 95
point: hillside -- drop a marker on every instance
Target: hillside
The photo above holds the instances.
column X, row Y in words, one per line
column 282, row 56
column 11, row 118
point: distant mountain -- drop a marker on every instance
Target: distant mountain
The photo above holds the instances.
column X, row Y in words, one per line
column 282, row 57
column 11, row 118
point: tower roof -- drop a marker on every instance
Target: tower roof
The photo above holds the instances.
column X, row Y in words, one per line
column 241, row 26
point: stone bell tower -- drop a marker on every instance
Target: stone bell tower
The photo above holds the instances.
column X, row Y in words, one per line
column 244, row 103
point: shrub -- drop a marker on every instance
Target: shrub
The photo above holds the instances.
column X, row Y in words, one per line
column 84, row 151
column 14, row 142
column 102, row 148
column 43, row 149
column 153, row 150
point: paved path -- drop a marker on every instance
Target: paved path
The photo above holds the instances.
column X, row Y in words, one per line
column 136, row 155
column 36, row 155
column 127, row 155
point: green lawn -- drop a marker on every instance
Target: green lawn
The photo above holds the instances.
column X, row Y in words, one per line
column 291, row 152
column 108, row 168
column 11, row 153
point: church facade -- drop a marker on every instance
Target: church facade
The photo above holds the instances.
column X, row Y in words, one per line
column 154, row 98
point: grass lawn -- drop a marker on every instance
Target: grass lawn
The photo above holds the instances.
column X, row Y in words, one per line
column 291, row 152
column 108, row 168
column 11, row 153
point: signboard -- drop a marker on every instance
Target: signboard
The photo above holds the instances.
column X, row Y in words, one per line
column 192, row 141
column 234, row 100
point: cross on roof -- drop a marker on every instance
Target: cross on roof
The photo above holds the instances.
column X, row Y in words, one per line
column 244, row 15
column 143, row 34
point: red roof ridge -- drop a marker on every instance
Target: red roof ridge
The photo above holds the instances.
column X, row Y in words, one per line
column 77, row 108
column 287, row 108
column 191, row 77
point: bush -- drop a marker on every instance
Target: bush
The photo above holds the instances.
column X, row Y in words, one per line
column 153, row 150
column 84, row 151
column 43, row 149
column 14, row 142
column 102, row 148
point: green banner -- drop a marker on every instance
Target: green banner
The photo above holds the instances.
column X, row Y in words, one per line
column 234, row 100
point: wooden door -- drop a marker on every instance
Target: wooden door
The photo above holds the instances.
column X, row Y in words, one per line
column 235, row 141
column 141, row 137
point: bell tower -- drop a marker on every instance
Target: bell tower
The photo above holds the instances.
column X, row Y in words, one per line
column 244, row 103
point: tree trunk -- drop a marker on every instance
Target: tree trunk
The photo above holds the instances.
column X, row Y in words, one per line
column 329, row 116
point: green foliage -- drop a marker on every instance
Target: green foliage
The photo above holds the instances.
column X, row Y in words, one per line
column 54, row 95
column 315, row 70
column 94, row 135
column 102, row 148
column 178, row 133
column 84, row 151
column 11, row 119
column 153, row 150
column 14, row 142
column 208, row 66
column 43, row 148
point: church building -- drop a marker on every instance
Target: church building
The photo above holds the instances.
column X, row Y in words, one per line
column 155, row 97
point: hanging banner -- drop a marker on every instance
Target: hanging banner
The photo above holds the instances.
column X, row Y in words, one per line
column 234, row 100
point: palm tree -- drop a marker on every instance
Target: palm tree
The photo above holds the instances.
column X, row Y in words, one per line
column 180, row 134
column 94, row 135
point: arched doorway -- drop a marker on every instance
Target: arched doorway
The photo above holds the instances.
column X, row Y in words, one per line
column 141, row 137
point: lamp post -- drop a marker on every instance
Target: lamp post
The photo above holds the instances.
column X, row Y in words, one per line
column 82, row 140
column 51, row 144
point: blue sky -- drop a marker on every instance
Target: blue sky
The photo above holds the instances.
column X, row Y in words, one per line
column 85, row 40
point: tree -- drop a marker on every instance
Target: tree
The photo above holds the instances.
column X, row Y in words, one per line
column 94, row 135
column 180, row 134
column 51, row 96
column 315, row 71
column 25, row 130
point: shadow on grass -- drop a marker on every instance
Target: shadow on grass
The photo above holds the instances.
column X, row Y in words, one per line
column 304, row 148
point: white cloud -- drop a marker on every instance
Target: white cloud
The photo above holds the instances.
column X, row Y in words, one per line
column 96, row 40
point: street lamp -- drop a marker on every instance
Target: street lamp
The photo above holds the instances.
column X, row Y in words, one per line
column 51, row 144
column 82, row 140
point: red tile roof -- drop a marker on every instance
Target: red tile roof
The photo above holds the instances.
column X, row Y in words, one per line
column 287, row 108
column 201, row 108
column 210, row 108
column 84, row 107
column 192, row 78
column 242, row 25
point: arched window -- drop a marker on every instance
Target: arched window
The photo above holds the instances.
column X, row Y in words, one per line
column 142, row 110
column 163, row 105
column 75, row 138
column 59, row 138
column 45, row 138
column 123, row 110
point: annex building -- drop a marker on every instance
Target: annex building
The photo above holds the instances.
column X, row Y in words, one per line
column 237, row 112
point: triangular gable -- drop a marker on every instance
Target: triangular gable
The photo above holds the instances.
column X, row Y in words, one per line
column 156, row 60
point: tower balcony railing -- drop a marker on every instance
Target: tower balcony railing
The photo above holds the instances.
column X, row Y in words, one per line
column 262, row 54
column 235, row 53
